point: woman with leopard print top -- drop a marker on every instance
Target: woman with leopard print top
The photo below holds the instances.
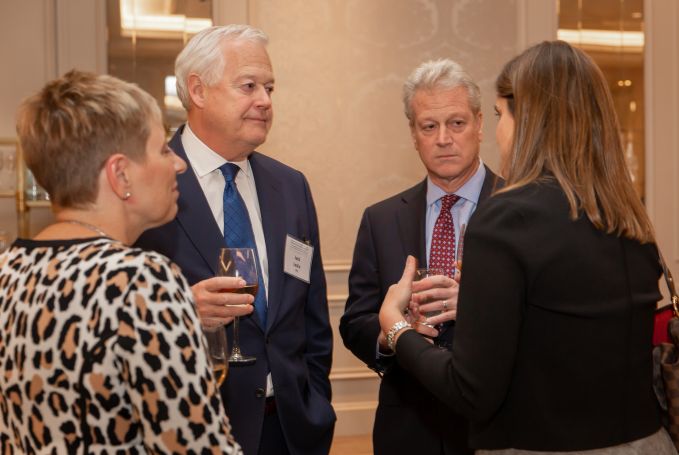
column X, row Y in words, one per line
column 101, row 349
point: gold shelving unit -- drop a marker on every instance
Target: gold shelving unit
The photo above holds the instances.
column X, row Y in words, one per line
column 12, row 143
column 23, row 205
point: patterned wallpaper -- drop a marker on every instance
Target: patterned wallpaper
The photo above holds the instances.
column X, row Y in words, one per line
column 339, row 68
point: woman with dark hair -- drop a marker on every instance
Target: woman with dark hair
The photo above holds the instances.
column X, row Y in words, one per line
column 552, row 347
column 101, row 349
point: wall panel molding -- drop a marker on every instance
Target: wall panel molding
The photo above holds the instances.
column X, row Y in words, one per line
column 80, row 35
column 351, row 373
column 336, row 266
column 537, row 20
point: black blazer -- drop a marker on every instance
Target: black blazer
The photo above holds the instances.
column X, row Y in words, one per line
column 296, row 344
column 553, row 337
column 409, row 419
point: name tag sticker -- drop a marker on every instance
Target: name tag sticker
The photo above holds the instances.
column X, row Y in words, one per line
column 297, row 261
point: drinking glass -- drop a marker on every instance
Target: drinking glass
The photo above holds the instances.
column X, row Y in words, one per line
column 10, row 167
column 240, row 263
column 423, row 273
column 215, row 334
column 4, row 240
column 7, row 169
column 457, row 271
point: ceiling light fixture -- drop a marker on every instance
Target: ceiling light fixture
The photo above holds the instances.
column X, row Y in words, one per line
column 604, row 38
column 131, row 22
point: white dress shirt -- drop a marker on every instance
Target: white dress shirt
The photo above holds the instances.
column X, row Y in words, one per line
column 205, row 164
column 461, row 211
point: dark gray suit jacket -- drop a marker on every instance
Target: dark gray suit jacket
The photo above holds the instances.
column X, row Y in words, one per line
column 409, row 419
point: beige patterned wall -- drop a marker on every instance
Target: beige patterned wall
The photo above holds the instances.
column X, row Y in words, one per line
column 340, row 65
column 339, row 68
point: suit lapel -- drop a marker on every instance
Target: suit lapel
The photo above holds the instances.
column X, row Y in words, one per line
column 412, row 215
column 411, row 218
column 194, row 215
column 272, row 210
column 491, row 183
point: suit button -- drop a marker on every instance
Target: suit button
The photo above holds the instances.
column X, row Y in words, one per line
column 260, row 393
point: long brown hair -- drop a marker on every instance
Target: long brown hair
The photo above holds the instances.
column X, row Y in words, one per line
column 566, row 125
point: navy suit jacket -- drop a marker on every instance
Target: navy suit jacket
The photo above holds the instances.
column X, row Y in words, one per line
column 296, row 344
column 390, row 231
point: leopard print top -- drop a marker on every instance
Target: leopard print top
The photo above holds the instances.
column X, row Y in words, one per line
column 101, row 351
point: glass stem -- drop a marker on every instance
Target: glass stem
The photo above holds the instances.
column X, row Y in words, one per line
column 236, row 345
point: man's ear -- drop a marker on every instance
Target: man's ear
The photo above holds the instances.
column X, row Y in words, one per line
column 117, row 169
column 412, row 135
column 196, row 90
column 479, row 120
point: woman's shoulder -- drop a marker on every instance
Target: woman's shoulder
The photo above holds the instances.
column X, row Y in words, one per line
column 536, row 193
column 149, row 263
column 139, row 275
column 526, row 208
column 113, row 259
column 544, row 195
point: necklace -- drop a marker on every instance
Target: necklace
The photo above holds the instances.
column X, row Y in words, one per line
column 87, row 226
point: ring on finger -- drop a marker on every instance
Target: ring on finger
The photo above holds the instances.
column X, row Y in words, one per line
column 445, row 305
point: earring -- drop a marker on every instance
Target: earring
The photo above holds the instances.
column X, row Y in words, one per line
column 127, row 195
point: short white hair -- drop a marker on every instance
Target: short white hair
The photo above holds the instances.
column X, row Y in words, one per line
column 204, row 55
column 441, row 73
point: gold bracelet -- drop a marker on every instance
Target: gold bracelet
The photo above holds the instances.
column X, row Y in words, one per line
column 397, row 327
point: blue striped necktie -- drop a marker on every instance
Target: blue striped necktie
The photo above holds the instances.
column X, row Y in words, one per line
column 238, row 230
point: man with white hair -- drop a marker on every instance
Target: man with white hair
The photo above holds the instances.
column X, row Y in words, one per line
column 443, row 107
column 233, row 196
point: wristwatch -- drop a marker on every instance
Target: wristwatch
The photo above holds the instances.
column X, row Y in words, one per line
column 397, row 327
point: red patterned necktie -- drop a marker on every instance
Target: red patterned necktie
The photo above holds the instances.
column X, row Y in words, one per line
column 442, row 251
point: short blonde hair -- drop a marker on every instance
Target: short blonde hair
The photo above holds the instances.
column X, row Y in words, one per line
column 74, row 124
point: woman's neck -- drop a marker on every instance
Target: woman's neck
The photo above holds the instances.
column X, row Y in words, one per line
column 71, row 224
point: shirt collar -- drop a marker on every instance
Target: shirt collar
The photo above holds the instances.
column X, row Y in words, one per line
column 203, row 159
column 469, row 191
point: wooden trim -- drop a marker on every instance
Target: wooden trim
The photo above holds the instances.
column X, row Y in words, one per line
column 336, row 266
column 348, row 406
column 38, row 204
column 351, row 373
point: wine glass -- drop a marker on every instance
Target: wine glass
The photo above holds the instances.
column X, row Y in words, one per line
column 239, row 262
column 215, row 334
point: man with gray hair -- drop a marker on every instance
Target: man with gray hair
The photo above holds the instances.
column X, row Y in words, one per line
column 443, row 107
column 233, row 196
